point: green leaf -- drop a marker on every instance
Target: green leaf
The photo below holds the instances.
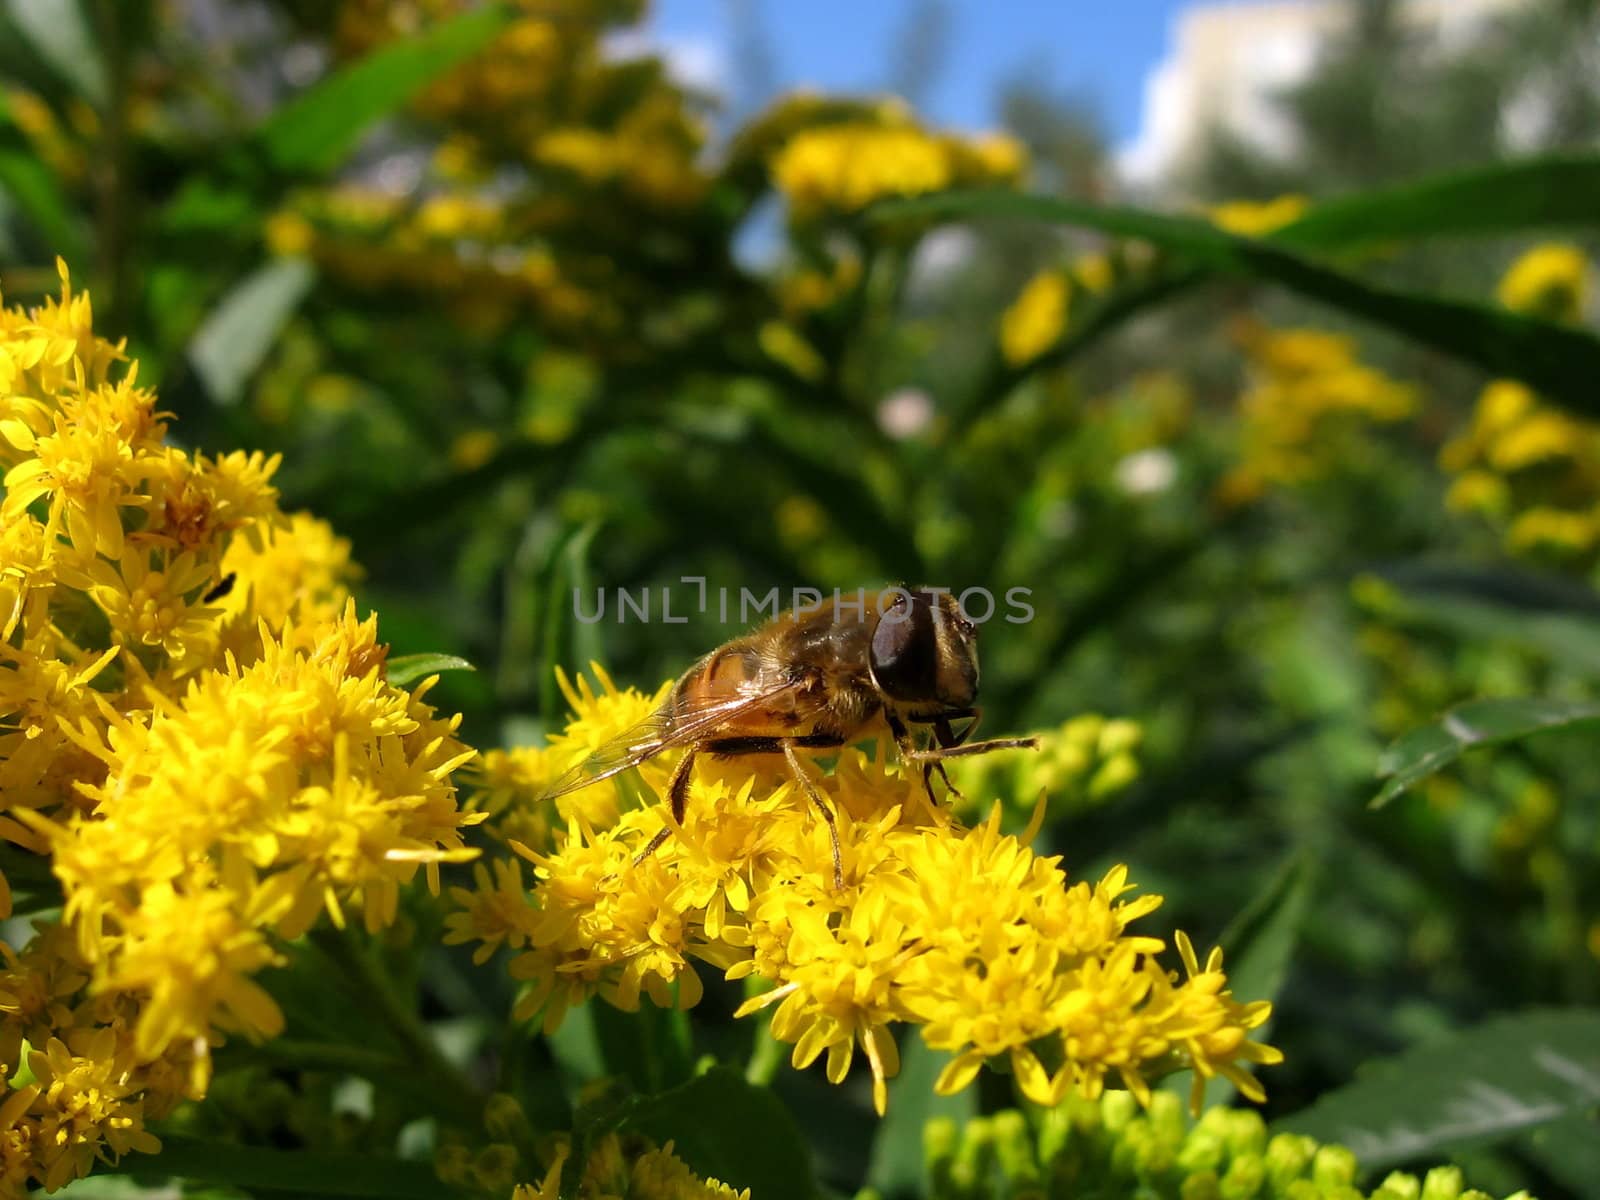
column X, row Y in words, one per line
column 58, row 31
column 316, row 130
column 1424, row 751
column 235, row 339
column 409, row 668
column 1259, row 943
column 1508, row 1076
column 896, row 1166
column 1540, row 193
column 1569, row 1151
column 33, row 188
column 725, row 1128
column 1558, row 361
column 300, row 1172
column 565, row 640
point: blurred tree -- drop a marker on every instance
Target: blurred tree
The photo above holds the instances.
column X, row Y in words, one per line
column 1519, row 80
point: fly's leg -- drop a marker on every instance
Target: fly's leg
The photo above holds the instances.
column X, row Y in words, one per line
column 678, row 797
column 732, row 747
column 821, row 805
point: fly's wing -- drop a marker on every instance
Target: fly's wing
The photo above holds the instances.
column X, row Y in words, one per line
column 662, row 730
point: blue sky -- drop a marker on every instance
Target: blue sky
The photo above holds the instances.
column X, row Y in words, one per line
column 1100, row 51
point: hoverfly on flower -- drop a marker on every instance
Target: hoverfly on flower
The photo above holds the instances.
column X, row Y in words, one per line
column 811, row 681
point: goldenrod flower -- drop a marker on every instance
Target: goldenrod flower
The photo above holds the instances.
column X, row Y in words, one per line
column 1257, row 218
column 1309, row 398
column 1529, row 468
column 1551, row 280
column 965, row 933
column 1036, row 319
column 196, row 726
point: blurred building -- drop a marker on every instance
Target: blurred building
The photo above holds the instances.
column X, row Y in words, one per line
column 1229, row 59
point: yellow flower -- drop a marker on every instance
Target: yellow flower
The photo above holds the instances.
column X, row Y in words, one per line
column 1257, row 218
column 1308, row 397
column 1036, row 319
column 1552, row 280
column 965, row 933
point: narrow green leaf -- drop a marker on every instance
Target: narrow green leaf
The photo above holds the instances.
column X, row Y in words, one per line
column 1424, row 751
column 1558, row 361
column 235, row 339
column 1511, row 1075
column 299, row 1172
column 896, row 1166
column 727, row 1129
column 316, row 130
column 409, row 668
column 567, row 641
column 1515, row 197
column 58, row 32
column 1258, row 945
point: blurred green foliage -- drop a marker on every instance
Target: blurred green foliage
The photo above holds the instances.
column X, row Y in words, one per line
column 521, row 328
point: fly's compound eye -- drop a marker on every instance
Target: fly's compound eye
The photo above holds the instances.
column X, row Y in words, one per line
column 905, row 650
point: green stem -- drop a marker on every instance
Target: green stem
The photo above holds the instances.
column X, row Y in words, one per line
column 766, row 1057
column 443, row 1077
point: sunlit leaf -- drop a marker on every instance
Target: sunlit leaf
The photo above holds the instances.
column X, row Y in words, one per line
column 58, row 31
column 1427, row 750
column 1514, row 197
column 1559, row 361
column 316, row 130
column 409, row 668
column 1511, row 1075
column 235, row 339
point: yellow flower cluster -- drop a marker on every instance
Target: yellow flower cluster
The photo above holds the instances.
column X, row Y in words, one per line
column 453, row 245
column 1522, row 464
column 965, row 933
column 1309, row 397
column 837, row 169
column 196, row 728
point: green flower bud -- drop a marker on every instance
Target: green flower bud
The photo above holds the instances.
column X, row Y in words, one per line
column 1117, row 1109
column 1333, row 1165
column 495, row 1168
column 1083, row 730
column 1398, row 1186
column 1119, row 736
column 1202, row 1185
column 940, row 1137
column 974, row 1159
column 1203, row 1151
column 504, row 1119
column 1288, row 1157
column 1443, row 1183
column 1245, row 1132
column 1244, row 1178
column 452, row 1163
column 1114, row 775
column 1013, row 1144
column 1055, row 1131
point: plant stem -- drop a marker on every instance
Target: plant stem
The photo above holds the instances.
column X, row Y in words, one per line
column 443, row 1077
